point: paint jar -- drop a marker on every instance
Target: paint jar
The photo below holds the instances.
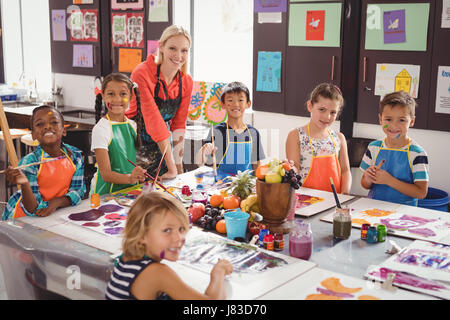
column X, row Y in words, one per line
column 364, row 229
column 147, row 187
column 278, row 242
column 300, row 241
column 199, row 177
column 268, row 242
column 381, row 233
column 372, row 235
column 95, row 200
column 262, row 234
column 199, row 195
column 342, row 223
column 186, row 190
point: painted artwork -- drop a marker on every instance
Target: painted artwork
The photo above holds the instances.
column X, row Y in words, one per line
column 108, row 219
column 128, row 29
column 401, row 220
column 395, row 77
column 321, row 284
column 311, row 201
column 127, row 4
column 152, row 47
column 270, row 5
column 268, row 76
column 84, row 25
column 158, row 11
column 394, row 26
column 129, row 59
column 205, row 104
column 315, row 25
column 83, row 56
column 59, row 25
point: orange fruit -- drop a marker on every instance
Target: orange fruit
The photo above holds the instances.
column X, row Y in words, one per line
column 231, row 202
column 221, row 226
column 216, row 200
column 286, row 166
column 261, row 171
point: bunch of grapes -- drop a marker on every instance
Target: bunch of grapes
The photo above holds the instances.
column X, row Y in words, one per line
column 211, row 217
column 293, row 178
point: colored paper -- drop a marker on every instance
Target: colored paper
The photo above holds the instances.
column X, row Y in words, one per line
column 269, row 17
column 397, row 77
column 127, row 4
column 152, row 47
column 83, row 56
column 83, row 1
column 158, row 11
column 84, row 25
column 416, row 16
column 311, row 201
column 59, row 25
column 443, row 90
column 394, row 26
column 269, row 71
column 129, row 59
column 445, row 21
column 128, row 29
column 315, row 25
column 270, row 5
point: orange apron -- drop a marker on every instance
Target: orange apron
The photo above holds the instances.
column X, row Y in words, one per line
column 53, row 179
column 322, row 168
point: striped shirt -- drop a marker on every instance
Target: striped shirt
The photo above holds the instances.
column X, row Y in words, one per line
column 77, row 187
column 123, row 277
column 417, row 157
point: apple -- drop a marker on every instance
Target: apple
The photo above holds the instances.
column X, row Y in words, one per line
column 273, row 177
column 254, row 227
column 196, row 210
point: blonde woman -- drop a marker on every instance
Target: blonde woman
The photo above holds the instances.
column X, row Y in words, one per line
column 156, row 229
column 165, row 89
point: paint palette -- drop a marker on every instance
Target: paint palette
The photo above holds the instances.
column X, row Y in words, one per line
column 108, row 219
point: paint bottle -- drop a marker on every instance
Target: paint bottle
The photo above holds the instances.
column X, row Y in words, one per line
column 381, row 233
column 199, row 195
column 95, row 200
column 372, row 235
column 278, row 242
column 268, row 242
column 364, row 229
column 300, row 241
column 146, row 187
column 342, row 223
column 262, row 234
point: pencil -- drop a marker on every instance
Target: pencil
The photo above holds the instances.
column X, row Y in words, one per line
column 214, row 153
column 159, row 167
column 338, row 204
column 36, row 163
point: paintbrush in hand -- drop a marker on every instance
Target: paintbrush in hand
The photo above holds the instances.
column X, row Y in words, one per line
column 36, row 163
column 213, row 153
column 159, row 167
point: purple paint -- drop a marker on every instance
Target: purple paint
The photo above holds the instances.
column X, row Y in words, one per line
column 423, row 232
column 162, row 254
column 405, row 222
column 111, row 224
column 110, row 208
column 91, row 224
column 116, row 217
column 336, row 294
column 113, row 231
column 90, row 215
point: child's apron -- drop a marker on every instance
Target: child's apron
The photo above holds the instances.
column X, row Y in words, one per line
column 322, row 168
column 53, row 178
column 120, row 149
column 399, row 166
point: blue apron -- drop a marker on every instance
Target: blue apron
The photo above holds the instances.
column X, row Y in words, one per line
column 399, row 166
column 237, row 156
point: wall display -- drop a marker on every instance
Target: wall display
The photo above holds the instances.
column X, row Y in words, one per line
column 315, row 25
column 158, row 11
column 269, row 17
column 59, row 25
column 83, row 1
column 84, row 25
column 152, row 47
column 205, row 103
column 128, row 29
column 443, row 90
column 301, row 25
column 83, row 56
column 127, row 4
column 129, row 59
column 270, row 5
column 445, row 22
column 397, row 77
column 269, row 71
column 381, row 20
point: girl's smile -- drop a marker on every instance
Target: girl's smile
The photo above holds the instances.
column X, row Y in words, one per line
column 116, row 97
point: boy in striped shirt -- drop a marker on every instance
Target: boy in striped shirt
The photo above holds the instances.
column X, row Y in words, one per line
column 396, row 168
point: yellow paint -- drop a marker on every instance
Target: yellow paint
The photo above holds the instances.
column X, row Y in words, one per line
column 334, row 284
column 125, row 100
column 377, row 212
column 367, row 297
column 360, row 221
column 320, row 296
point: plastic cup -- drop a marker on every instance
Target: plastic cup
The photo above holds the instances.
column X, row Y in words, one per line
column 236, row 224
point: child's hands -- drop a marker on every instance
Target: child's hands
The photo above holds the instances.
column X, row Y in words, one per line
column 137, row 175
column 207, row 150
column 15, row 176
column 222, row 268
column 370, row 174
column 382, row 177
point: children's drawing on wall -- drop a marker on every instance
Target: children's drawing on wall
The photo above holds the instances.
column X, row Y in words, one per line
column 205, row 103
column 443, row 90
column 394, row 26
column 152, row 47
column 128, row 29
column 315, row 25
column 127, row 4
column 83, row 56
column 269, row 71
column 397, row 77
column 59, row 25
column 84, row 25
column 158, row 11
column 270, row 5
column 135, row 30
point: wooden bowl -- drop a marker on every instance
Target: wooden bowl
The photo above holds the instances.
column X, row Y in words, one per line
column 275, row 201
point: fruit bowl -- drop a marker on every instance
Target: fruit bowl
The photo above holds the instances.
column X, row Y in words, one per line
column 275, row 201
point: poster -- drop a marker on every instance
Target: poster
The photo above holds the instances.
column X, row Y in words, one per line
column 83, row 56
column 83, row 1
column 127, row 4
column 315, row 25
column 158, row 11
column 443, row 90
column 394, row 26
column 269, row 17
column 445, row 22
column 84, row 25
column 397, row 77
column 269, row 71
column 270, row 5
column 129, row 59
column 59, row 25
column 128, row 29
column 152, row 47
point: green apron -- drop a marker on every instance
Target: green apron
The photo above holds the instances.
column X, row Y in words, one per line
column 120, row 148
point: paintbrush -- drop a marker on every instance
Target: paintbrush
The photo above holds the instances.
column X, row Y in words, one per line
column 213, row 153
column 338, row 204
column 153, row 179
column 381, row 163
column 159, row 167
column 36, row 163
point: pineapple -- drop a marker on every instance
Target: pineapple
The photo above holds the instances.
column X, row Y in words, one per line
column 242, row 184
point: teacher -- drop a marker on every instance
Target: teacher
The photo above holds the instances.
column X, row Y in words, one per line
column 165, row 94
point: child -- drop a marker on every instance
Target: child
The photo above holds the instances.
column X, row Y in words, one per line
column 238, row 146
column 156, row 229
column 51, row 185
column 396, row 168
column 114, row 138
column 317, row 151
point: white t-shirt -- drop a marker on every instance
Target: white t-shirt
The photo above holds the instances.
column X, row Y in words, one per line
column 101, row 133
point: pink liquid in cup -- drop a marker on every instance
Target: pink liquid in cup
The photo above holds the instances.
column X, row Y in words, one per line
column 300, row 246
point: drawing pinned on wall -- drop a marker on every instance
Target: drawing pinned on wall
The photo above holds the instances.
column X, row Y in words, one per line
column 443, row 90
column 158, row 11
column 270, row 5
column 315, row 25
column 152, row 47
column 205, row 104
column 397, row 77
column 269, row 71
column 84, row 25
column 127, row 4
column 59, row 25
column 83, row 56
column 394, row 26
column 129, row 59
column 128, row 29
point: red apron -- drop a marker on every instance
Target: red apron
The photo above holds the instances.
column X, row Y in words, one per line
column 322, row 168
column 53, row 179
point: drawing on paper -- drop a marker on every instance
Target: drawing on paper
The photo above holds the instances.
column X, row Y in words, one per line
column 334, row 290
column 197, row 100
column 304, row 200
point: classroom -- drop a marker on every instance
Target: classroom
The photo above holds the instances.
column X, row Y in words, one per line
column 289, row 149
